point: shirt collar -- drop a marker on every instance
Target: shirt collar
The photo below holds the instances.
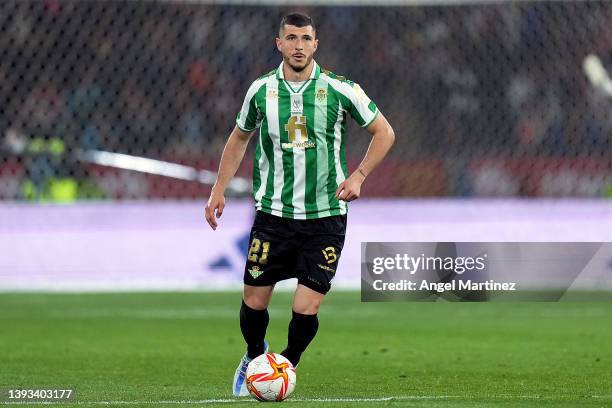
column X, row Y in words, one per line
column 316, row 70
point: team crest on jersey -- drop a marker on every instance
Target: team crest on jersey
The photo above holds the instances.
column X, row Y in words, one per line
column 321, row 94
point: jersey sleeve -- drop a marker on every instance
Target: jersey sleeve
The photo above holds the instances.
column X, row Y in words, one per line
column 361, row 108
column 248, row 118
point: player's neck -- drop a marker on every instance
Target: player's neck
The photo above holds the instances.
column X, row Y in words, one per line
column 295, row 76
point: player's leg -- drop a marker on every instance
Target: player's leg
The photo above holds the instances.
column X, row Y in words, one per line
column 317, row 260
column 254, row 320
column 304, row 322
column 266, row 264
column 254, row 317
column 268, row 259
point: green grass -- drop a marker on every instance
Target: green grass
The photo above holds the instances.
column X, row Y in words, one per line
column 185, row 346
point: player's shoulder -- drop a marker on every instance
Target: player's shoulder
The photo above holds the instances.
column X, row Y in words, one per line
column 333, row 77
column 340, row 84
column 266, row 75
column 258, row 83
column 263, row 78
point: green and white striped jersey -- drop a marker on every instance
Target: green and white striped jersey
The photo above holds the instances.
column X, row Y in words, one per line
column 300, row 155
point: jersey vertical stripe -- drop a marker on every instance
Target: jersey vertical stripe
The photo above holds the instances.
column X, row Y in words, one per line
column 299, row 160
column 284, row 113
column 272, row 106
column 339, row 173
column 261, row 167
column 266, row 162
column 333, row 108
column 342, row 155
column 319, row 169
column 248, row 117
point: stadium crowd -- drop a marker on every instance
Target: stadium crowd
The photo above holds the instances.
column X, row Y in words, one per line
column 165, row 79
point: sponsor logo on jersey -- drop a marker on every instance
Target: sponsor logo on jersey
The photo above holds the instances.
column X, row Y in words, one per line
column 272, row 94
column 299, row 145
column 296, row 105
column 297, row 131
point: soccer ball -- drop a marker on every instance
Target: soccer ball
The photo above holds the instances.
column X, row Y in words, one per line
column 270, row 377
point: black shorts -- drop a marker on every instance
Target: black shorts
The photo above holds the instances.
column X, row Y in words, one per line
column 282, row 248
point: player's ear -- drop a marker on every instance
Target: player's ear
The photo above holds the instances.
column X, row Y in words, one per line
column 278, row 43
column 316, row 44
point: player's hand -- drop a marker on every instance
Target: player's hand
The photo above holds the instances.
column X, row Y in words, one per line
column 214, row 208
column 350, row 189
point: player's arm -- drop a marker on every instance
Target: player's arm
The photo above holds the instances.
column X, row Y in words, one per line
column 382, row 140
column 233, row 153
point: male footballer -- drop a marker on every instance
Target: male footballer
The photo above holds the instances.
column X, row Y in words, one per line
column 301, row 184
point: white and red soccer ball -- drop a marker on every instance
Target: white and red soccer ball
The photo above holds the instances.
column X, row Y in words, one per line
column 270, row 377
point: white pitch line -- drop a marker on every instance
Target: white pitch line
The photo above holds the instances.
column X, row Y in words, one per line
column 231, row 401
column 248, row 400
column 237, row 400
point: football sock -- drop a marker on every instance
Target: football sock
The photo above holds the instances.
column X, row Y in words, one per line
column 302, row 329
column 253, row 324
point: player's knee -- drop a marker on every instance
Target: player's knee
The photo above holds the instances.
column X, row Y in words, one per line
column 308, row 308
column 257, row 300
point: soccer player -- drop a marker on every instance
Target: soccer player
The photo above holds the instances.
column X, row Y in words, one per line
column 301, row 184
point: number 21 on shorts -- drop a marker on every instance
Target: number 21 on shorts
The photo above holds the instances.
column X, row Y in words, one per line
column 258, row 252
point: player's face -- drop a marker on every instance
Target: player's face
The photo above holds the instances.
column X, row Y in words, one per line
column 297, row 45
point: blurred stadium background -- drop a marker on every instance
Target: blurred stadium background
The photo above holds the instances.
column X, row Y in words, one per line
column 488, row 99
column 501, row 137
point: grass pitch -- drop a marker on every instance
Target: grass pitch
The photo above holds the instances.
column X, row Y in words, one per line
column 181, row 349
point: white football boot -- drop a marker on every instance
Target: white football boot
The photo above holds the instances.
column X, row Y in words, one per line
column 239, row 388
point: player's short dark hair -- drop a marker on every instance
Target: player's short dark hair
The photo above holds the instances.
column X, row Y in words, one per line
column 298, row 20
